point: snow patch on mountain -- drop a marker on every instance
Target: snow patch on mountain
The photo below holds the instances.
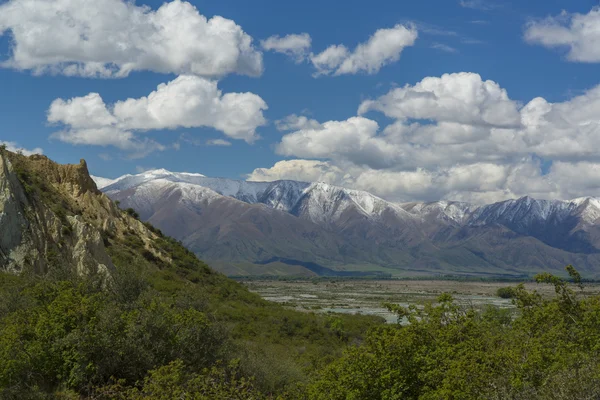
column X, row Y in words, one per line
column 526, row 211
column 325, row 203
column 102, row 182
column 319, row 202
column 450, row 211
column 283, row 195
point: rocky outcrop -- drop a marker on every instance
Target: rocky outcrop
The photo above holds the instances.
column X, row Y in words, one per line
column 73, row 178
column 52, row 216
column 15, row 246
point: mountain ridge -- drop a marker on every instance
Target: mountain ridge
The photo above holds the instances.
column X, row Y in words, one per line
column 343, row 229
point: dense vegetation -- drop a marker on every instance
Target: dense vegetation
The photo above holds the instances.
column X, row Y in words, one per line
column 158, row 335
column 550, row 350
column 154, row 329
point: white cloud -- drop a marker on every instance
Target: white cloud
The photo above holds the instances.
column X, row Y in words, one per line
column 473, row 182
column 87, row 121
column 461, row 98
column 15, row 148
column 579, row 33
column 298, row 170
column 353, row 139
column 190, row 102
column 218, row 142
column 329, row 59
column 296, row 122
column 111, row 38
column 454, row 137
column 295, row 46
column 383, row 47
column 565, row 131
column 576, row 179
column 477, row 183
column 187, row 101
column 472, row 119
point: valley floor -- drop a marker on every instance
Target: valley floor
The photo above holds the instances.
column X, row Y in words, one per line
column 352, row 296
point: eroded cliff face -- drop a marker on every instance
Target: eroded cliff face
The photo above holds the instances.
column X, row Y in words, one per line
column 52, row 216
column 15, row 246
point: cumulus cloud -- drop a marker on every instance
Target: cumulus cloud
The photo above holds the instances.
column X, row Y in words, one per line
column 88, row 121
column 15, row 148
column 295, row 46
column 342, row 137
column 458, row 113
column 565, row 131
column 111, row 38
column 353, row 139
column 329, row 59
column 576, row 179
column 383, row 47
column 455, row 137
column 578, row 33
column 461, row 98
column 295, row 122
column 299, row 170
column 476, row 183
column 188, row 101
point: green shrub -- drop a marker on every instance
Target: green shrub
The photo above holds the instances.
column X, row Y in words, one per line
column 130, row 211
column 547, row 351
column 505, row 292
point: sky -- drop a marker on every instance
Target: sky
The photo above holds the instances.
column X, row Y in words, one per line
column 470, row 100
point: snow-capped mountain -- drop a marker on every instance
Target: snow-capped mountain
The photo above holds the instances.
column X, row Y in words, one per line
column 318, row 202
column 527, row 211
column 445, row 210
column 102, row 182
column 233, row 222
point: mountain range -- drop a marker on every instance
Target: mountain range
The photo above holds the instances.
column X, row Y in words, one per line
column 290, row 227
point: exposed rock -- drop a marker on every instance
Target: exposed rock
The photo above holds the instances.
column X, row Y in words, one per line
column 14, row 243
column 74, row 178
column 53, row 216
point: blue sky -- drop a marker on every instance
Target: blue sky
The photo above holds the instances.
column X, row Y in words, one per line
column 488, row 38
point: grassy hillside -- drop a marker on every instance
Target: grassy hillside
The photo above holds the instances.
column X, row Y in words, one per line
column 160, row 313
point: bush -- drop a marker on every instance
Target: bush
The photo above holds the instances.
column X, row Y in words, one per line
column 130, row 211
column 505, row 292
column 71, row 334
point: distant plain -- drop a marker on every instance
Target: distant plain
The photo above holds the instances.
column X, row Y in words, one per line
column 367, row 296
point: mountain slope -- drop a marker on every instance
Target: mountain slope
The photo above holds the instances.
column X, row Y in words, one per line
column 222, row 228
column 235, row 222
